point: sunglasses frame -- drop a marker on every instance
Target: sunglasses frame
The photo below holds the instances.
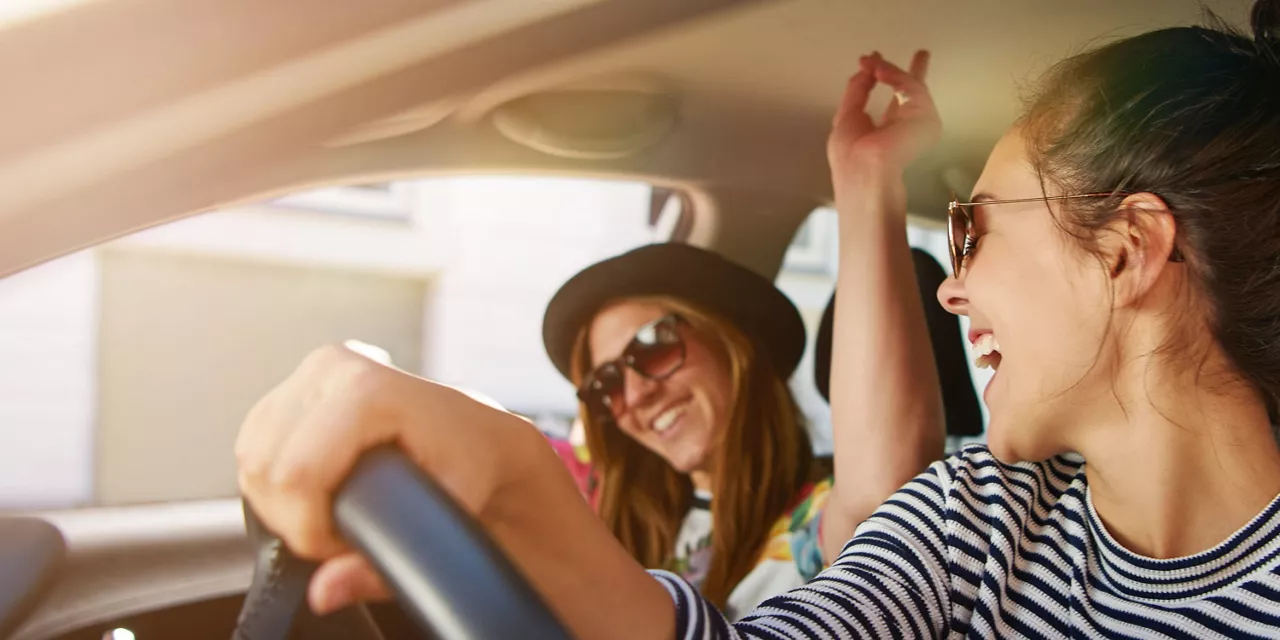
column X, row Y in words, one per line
column 956, row 209
column 626, row 361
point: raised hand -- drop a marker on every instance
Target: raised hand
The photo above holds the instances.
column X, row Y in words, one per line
column 910, row 124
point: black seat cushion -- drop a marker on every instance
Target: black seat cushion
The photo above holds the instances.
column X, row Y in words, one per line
column 959, row 399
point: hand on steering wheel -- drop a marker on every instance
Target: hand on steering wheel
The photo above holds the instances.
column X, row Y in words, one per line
column 297, row 451
column 447, row 573
column 302, row 440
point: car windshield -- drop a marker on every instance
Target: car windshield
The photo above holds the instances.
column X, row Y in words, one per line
column 149, row 350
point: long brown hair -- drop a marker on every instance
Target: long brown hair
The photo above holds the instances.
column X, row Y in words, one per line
column 762, row 461
column 1191, row 114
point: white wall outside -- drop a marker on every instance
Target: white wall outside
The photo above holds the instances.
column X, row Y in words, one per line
column 48, row 357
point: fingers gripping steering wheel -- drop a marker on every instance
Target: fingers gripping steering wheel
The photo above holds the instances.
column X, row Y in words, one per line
column 443, row 568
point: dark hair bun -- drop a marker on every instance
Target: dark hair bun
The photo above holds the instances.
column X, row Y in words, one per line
column 1265, row 20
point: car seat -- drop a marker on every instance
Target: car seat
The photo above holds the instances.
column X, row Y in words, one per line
column 959, row 399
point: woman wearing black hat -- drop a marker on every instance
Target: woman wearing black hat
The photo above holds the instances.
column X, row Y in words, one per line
column 681, row 358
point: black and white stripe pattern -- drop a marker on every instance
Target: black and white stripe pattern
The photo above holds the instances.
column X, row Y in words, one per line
column 976, row 548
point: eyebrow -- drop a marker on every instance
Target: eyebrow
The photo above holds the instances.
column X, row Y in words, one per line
column 983, row 197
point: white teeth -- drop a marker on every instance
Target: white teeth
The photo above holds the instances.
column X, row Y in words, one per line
column 666, row 419
column 986, row 344
column 983, row 348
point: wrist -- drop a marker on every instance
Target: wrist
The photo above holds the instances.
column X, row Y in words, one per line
column 868, row 210
column 870, row 190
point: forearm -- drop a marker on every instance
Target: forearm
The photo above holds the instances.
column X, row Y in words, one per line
column 573, row 560
column 886, row 403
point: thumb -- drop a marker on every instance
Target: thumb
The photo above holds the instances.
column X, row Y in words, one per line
column 344, row 581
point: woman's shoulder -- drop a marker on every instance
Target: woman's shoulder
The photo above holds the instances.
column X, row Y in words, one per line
column 962, row 504
column 806, row 508
column 794, row 537
column 809, row 501
column 976, row 463
column 973, row 481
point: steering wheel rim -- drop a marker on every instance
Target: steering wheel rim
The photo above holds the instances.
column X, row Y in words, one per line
column 444, row 569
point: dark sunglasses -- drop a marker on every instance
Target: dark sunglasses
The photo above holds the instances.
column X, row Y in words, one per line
column 960, row 233
column 656, row 352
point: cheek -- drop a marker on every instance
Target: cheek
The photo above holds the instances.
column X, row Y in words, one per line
column 1049, row 309
column 1072, row 307
column 628, row 425
column 707, row 376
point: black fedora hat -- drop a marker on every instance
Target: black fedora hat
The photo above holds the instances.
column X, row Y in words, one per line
column 959, row 399
column 698, row 276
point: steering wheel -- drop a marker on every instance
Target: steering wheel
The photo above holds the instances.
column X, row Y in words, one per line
column 442, row 566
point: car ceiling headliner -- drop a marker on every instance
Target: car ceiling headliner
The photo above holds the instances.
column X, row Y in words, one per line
column 756, row 83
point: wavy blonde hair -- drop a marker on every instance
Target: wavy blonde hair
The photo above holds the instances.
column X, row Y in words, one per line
column 762, row 460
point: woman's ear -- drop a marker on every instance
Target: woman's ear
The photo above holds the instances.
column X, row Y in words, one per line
column 1138, row 245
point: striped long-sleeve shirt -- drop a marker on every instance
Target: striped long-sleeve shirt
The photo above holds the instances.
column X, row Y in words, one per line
column 976, row 548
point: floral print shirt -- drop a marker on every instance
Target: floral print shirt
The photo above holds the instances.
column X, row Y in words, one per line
column 791, row 557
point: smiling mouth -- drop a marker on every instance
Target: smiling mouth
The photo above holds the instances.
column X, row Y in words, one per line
column 668, row 418
column 988, row 352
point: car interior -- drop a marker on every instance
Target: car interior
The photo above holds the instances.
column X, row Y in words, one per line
column 959, row 398
column 124, row 115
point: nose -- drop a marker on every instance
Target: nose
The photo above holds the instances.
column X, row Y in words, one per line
column 953, row 297
column 639, row 390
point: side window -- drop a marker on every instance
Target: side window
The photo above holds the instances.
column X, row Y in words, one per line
column 808, row 276
column 814, row 247
column 125, row 370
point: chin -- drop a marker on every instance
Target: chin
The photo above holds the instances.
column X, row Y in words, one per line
column 682, row 469
column 684, row 465
column 686, row 462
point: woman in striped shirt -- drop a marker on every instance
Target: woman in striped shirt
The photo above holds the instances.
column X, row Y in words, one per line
column 1119, row 265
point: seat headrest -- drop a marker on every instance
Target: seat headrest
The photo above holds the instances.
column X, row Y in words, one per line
column 959, row 399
